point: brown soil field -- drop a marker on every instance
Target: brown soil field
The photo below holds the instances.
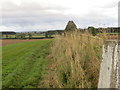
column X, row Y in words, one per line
column 113, row 37
column 6, row 41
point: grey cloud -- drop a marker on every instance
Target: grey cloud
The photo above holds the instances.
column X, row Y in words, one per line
column 35, row 16
column 11, row 10
column 109, row 5
column 56, row 21
column 29, row 6
column 31, row 19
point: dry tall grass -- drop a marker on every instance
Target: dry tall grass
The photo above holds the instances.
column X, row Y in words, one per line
column 75, row 61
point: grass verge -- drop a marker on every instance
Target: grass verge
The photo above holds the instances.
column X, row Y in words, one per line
column 23, row 64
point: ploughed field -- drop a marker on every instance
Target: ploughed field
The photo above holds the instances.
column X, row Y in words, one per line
column 12, row 41
column 113, row 36
column 24, row 63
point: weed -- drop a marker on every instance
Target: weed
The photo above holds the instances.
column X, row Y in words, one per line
column 75, row 60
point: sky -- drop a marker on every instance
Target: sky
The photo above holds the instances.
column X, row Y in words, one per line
column 43, row 15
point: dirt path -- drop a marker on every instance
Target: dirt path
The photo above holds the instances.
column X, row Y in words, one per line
column 6, row 42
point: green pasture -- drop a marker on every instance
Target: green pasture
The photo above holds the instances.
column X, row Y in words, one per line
column 24, row 64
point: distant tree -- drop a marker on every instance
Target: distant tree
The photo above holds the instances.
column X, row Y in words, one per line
column 92, row 30
column 15, row 36
column 49, row 35
column 46, row 34
column 30, row 35
column 23, row 36
column 6, row 36
column 18, row 36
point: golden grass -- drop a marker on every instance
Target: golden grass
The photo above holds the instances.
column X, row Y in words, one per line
column 75, row 61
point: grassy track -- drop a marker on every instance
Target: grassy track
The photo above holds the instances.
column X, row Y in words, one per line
column 24, row 63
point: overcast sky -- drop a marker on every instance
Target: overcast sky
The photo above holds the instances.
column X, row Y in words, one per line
column 42, row 15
